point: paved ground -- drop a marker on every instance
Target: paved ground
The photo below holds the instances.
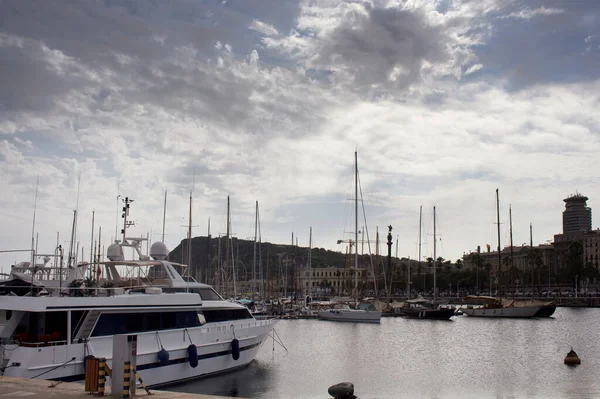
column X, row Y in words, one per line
column 16, row 388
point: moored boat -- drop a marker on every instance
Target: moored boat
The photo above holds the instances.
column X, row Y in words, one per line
column 49, row 337
column 344, row 313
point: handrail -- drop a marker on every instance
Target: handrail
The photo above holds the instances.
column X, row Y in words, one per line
column 42, row 343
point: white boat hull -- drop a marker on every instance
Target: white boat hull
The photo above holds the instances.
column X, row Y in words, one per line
column 213, row 344
column 518, row 312
column 351, row 315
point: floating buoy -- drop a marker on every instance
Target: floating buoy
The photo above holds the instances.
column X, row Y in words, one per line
column 193, row 355
column 572, row 359
column 235, row 349
column 163, row 357
column 343, row 390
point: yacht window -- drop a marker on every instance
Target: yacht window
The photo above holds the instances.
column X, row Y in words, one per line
column 208, row 294
column 214, row 316
column 119, row 323
column 76, row 320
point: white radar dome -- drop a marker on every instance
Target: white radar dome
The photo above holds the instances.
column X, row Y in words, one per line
column 115, row 253
column 159, row 251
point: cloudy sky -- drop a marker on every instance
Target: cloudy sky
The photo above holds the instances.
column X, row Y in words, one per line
column 267, row 100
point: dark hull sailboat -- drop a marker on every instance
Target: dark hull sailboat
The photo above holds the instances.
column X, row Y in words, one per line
column 546, row 310
column 432, row 314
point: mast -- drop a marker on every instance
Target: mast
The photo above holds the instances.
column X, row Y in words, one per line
column 164, row 216
column 71, row 243
column 254, row 254
column 531, row 255
column 512, row 265
column 310, row 262
column 420, row 224
column 37, row 182
column 355, row 227
column 92, row 239
column 189, row 248
column 434, row 258
column 499, row 254
column 208, row 269
column 227, row 253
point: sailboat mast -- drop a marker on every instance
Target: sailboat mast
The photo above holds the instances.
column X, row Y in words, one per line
column 434, row 258
column 499, row 249
column 512, row 259
column 310, row 262
column 356, row 226
column 420, row 224
column 37, row 182
column 189, row 257
column 531, row 255
column 164, row 217
column 92, row 247
column 227, row 253
column 254, row 254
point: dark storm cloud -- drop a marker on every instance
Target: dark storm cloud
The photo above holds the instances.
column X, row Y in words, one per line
column 382, row 46
column 28, row 80
column 163, row 55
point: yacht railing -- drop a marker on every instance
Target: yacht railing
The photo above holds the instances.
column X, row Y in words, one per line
column 42, row 343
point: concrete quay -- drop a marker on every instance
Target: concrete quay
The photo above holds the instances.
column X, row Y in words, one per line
column 12, row 387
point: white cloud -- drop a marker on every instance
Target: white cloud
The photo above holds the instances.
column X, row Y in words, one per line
column 473, row 68
column 528, row 13
column 263, row 27
column 284, row 133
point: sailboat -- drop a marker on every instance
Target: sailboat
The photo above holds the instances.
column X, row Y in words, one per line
column 343, row 312
column 423, row 309
column 496, row 307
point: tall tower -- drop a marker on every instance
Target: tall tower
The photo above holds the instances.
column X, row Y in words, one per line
column 576, row 216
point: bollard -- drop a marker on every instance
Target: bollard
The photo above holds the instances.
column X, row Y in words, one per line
column 343, row 390
column 126, row 379
column 101, row 378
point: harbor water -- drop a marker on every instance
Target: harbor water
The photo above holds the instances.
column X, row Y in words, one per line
column 403, row 358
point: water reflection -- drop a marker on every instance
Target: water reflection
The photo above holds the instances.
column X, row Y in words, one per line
column 464, row 358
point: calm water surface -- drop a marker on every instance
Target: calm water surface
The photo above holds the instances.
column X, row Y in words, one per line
column 462, row 358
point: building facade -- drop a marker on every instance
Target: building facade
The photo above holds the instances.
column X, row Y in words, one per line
column 591, row 248
column 577, row 216
column 333, row 280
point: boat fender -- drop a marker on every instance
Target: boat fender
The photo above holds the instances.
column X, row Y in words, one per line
column 163, row 357
column 193, row 355
column 235, row 349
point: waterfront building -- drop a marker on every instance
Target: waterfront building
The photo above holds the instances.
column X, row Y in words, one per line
column 577, row 223
column 523, row 261
column 333, row 280
column 591, row 248
column 577, row 216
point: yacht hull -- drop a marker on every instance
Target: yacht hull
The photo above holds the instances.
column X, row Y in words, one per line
column 431, row 314
column 514, row 312
column 214, row 348
column 350, row 315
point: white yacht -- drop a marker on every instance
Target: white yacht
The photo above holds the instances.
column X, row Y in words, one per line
column 49, row 337
column 344, row 313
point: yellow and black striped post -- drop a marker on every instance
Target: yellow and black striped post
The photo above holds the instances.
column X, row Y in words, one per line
column 126, row 379
column 101, row 377
column 139, row 378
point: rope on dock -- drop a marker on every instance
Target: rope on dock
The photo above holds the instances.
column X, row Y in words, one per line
column 277, row 339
